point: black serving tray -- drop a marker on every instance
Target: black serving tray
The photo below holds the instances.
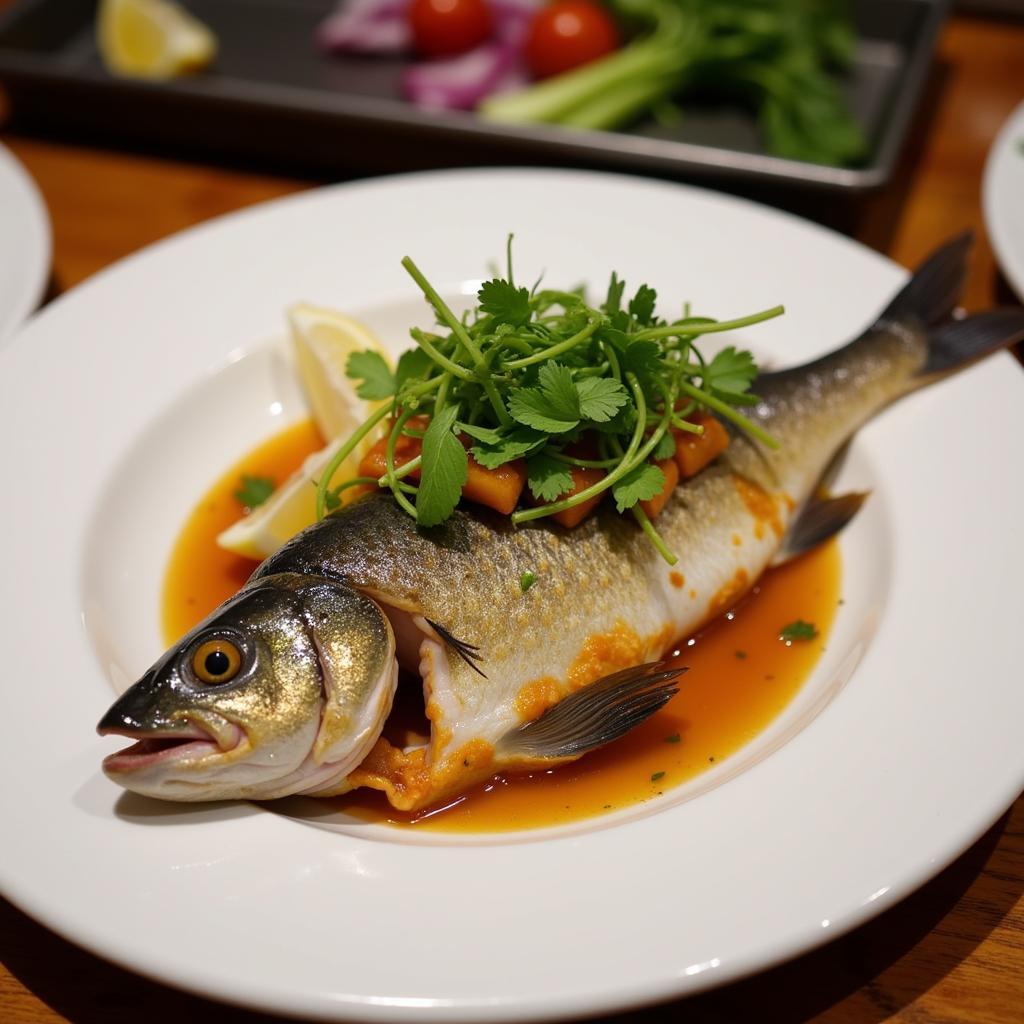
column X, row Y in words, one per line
column 272, row 96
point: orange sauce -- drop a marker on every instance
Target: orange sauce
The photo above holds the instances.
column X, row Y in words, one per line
column 741, row 675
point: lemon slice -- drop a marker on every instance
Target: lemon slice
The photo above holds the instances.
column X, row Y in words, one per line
column 322, row 340
column 152, row 39
column 291, row 508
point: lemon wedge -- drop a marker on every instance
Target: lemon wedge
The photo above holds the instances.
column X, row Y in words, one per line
column 152, row 39
column 322, row 341
column 291, row 508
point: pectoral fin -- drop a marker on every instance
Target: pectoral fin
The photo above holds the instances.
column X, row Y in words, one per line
column 595, row 715
column 820, row 519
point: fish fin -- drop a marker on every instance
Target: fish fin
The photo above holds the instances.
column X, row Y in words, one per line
column 932, row 293
column 594, row 715
column 820, row 519
column 469, row 653
column 959, row 342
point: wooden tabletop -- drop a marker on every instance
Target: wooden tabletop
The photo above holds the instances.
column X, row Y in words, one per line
column 953, row 951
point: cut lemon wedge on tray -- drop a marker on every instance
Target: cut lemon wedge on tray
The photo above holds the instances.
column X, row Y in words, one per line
column 152, row 39
column 322, row 340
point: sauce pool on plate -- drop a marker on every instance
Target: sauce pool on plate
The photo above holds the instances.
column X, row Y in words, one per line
column 741, row 674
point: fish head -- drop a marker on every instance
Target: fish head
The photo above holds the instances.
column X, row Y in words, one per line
column 283, row 689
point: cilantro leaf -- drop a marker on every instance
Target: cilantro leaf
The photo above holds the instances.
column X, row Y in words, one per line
column 730, row 374
column 613, row 300
column 373, row 371
column 488, row 435
column 644, row 359
column 600, row 398
column 665, row 448
column 444, row 470
column 554, row 407
column 639, row 484
column 560, row 390
column 798, row 630
column 513, row 445
column 506, row 303
column 548, row 478
column 254, row 490
column 530, row 407
column 413, row 365
column 641, row 306
column 615, row 337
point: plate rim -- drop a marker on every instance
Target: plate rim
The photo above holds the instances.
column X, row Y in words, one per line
column 25, row 191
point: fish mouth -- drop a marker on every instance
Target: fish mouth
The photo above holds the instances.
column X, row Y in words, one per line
column 188, row 742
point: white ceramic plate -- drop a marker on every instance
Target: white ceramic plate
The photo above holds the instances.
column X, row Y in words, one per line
column 1003, row 199
column 24, row 244
column 903, row 747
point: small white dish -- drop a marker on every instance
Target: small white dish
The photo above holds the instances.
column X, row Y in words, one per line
column 903, row 747
column 1002, row 197
column 24, row 244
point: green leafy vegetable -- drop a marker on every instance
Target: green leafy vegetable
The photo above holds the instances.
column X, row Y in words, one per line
column 547, row 477
column 730, row 374
column 639, row 484
column 544, row 377
column 378, row 382
column 798, row 630
column 506, row 303
column 512, row 445
column 254, row 490
column 600, row 398
column 782, row 58
column 444, row 470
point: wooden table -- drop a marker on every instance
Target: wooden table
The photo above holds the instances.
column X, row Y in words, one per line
column 954, row 951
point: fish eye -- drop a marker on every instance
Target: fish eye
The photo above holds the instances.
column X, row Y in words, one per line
column 216, row 661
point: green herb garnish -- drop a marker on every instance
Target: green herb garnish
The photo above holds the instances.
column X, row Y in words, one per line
column 798, row 630
column 781, row 58
column 527, row 580
column 657, row 775
column 674, row 738
column 254, row 490
column 527, row 375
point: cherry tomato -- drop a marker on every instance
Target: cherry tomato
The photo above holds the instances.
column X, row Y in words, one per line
column 443, row 28
column 566, row 34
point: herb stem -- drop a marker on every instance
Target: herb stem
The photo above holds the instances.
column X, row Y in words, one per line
column 350, row 445
column 458, row 329
column 389, row 463
column 442, row 360
column 729, row 413
column 672, row 330
column 655, row 538
column 555, row 350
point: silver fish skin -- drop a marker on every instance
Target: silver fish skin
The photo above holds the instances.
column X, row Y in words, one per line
column 492, row 657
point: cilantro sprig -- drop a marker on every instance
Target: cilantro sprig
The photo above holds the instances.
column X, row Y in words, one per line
column 540, row 374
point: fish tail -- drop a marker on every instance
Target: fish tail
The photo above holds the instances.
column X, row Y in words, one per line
column 931, row 295
column 959, row 342
column 929, row 300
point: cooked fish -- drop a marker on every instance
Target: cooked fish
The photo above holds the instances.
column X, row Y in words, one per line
column 285, row 689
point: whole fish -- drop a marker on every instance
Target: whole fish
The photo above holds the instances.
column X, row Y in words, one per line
column 286, row 687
